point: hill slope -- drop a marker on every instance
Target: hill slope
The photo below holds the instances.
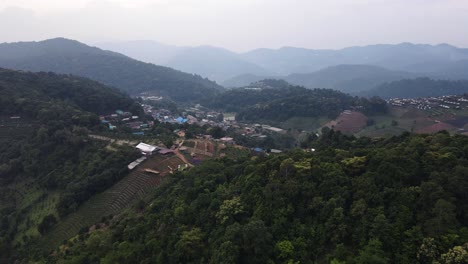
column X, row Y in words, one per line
column 348, row 78
column 48, row 165
column 420, row 87
column 129, row 75
column 144, row 50
column 214, row 63
column 277, row 100
column 398, row 200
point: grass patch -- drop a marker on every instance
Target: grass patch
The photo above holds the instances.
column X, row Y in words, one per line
column 40, row 208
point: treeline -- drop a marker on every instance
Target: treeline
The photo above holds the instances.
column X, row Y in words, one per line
column 275, row 100
column 46, row 95
column 354, row 200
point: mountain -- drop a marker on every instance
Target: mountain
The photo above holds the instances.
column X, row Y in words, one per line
column 420, row 87
column 114, row 69
column 144, row 50
column 289, row 60
column 239, row 69
column 243, row 80
column 454, row 70
column 214, row 63
column 348, row 78
column 404, row 56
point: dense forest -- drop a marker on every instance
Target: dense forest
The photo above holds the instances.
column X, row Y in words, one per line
column 31, row 94
column 46, row 157
column 354, row 200
column 129, row 75
column 420, row 87
column 276, row 100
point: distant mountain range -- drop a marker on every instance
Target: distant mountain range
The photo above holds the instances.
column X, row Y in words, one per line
column 346, row 78
column 114, row 69
column 352, row 70
column 392, row 62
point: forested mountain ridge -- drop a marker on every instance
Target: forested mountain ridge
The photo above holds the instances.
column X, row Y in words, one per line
column 348, row 78
column 277, row 100
column 353, row 200
column 26, row 89
column 404, row 56
column 48, row 164
column 420, row 87
column 437, row 61
column 132, row 76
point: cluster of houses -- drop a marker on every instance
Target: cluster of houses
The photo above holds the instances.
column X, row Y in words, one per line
column 201, row 117
column 120, row 117
column 426, row 103
column 197, row 115
column 191, row 115
column 164, row 115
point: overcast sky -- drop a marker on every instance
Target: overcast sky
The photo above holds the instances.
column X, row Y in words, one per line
column 239, row 25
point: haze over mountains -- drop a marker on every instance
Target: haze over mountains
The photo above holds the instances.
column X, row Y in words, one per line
column 356, row 70
column 307, row 67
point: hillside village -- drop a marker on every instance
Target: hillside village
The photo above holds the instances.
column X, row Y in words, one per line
column 457, row 102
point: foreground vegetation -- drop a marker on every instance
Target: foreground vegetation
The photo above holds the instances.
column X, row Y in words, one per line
column 48, row 165
column 353, row 200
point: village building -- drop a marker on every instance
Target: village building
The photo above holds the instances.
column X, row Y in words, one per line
column 227, row 140
column 147, row 149
column 275, row 151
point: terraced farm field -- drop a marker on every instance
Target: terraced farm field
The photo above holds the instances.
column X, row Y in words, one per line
column 202, row 148
column 113, row 201
column 164, row 164
column 110, row 202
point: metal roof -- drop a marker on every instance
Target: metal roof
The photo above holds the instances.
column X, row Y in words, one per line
column 146, row 147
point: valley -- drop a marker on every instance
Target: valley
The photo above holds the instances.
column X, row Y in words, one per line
column 331, row 159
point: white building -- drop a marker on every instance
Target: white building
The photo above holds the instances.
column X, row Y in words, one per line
column 147, row 149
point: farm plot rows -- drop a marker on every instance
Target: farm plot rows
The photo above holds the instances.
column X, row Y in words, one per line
column 114, row 200
column 205, row 148
column 111, row 202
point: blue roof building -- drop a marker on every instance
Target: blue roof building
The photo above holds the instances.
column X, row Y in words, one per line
column 181, row 120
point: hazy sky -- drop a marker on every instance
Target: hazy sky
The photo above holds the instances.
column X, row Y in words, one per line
column 239, row 24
